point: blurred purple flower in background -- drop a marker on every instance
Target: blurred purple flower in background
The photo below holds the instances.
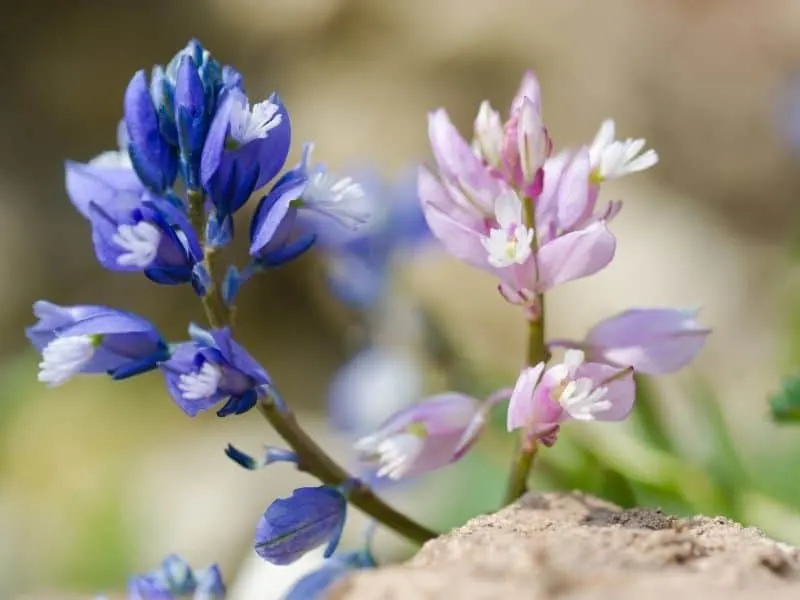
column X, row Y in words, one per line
column 359, row 262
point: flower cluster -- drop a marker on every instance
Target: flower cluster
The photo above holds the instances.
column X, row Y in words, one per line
column 506, row 205
column 193, row 149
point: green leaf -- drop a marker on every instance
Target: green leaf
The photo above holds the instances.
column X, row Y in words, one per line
column 785, row 404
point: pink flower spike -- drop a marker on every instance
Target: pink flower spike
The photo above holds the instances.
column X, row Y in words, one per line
column 653, row 341
column 423, row 437
column 574, row 255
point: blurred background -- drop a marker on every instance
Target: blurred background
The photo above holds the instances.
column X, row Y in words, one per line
column 98, row 480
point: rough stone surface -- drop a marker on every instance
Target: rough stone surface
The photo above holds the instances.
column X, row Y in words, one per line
column 576, row 547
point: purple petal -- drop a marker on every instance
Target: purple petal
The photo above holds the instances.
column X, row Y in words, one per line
column 574, row 255
column 575, row 196
column 462, row 242
column 215, row 140
column 653, row 341
column 621, row 391
column 272, row 211
column 102, row 185
column 521, row 408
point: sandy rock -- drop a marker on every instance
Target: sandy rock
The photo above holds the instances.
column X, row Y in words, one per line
column 576, row 547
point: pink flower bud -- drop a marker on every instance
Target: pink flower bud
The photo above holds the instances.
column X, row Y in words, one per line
column 423, row 437
column 651, row 340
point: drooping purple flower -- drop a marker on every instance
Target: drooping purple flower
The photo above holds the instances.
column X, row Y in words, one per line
column 653, row 341
column 423, row 437
column 245, row 148
column 572, row 390
column 213, row 368
column 293, row 526
column 130, row 234
column 92, row 339
column 315, row 585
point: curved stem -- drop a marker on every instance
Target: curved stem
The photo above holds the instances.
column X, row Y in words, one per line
column 317, row 462
column 311, row 457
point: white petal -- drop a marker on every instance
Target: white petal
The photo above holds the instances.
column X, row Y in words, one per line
column 201, row 384
column 508, row 210
column 603, row 137
column 573, row 359
column 645, row 161
column 64, row 357
column 139, row 242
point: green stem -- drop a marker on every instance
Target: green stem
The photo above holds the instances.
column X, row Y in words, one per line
column 311, row 457
column 525, row 453
column 216, row 311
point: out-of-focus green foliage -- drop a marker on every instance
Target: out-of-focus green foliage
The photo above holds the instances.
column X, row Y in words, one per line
column 785, row 404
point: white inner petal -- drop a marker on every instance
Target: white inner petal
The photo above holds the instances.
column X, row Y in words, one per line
column 139, row 243
column 396, row 454
column 511, row 242
column 200, row 384
column 253, row 123
column 112, row 159
column 582, row 401
column 341, row 198
column 64, row 357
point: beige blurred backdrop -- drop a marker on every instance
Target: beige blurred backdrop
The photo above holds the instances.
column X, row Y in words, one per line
column 117, row 473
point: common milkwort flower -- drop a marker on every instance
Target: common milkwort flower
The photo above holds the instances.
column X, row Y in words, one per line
column 193, row 148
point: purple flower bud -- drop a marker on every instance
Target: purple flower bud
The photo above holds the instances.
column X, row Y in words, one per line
column 651, row 340
column 191, row 119
column 213, row 368
column 92, row 339
column 423, row 437
column 271, row 455
column 154, row 160
column 293, row 526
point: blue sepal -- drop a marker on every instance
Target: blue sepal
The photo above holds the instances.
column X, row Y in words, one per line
column 201, row 280
column 141, row 365
column 237, row 405
column 230, row 285
column 271, row 455
column 287, row 253
column 219, row 230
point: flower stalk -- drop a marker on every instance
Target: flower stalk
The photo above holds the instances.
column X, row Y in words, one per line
column 216, row 311
column 537, row 352
column 311, row 457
